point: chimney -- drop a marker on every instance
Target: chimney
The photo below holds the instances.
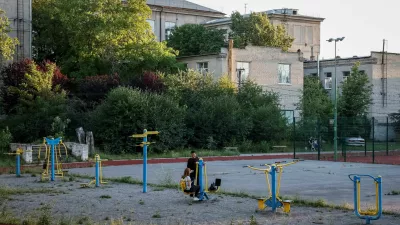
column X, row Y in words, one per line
column 230, row 60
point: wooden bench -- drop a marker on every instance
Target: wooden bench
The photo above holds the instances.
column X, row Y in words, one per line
column 282, row 148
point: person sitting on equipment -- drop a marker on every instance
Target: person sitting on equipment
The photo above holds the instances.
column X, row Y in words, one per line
column 190, row 187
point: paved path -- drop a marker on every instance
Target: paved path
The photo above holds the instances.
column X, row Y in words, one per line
column 307, row 179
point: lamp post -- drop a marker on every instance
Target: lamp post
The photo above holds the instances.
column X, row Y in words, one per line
column 335, row 93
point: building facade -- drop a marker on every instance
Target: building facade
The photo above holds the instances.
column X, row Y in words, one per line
column 167, row 14
column 305, row 30
column 271, row 68
column 19, row 13
column 383, row 70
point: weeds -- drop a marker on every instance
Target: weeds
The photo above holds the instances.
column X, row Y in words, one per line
column 141, row 202
column 394, row 192
column 156, row 215
column 105, row 196
column 5, row 192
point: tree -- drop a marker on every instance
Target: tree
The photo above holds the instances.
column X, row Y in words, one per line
column 97, row 37
column 195, row 39
column 356, row 94
column 315, row 102
column 21, row 79
column 7, row 44
column 257, row 30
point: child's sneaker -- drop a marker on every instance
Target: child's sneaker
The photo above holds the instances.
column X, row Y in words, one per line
column 196, row 199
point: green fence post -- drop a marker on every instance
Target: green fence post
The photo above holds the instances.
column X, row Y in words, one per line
column 294, row 137
column 319, row 138
column 366, row 136
column 387, row 135
column 373, row 139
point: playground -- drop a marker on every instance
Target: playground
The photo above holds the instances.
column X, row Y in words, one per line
column 267, row 191
column 163, row 204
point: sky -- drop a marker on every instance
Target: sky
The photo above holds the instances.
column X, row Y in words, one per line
column 363, row 23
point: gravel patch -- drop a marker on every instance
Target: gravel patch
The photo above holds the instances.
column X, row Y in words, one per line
column 158, row 206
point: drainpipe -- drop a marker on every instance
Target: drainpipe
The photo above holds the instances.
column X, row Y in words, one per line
column 318, row 65
column 230, row 59
column 30, row 29
column 162, row 9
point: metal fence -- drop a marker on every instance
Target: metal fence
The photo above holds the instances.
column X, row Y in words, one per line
column 373, row 140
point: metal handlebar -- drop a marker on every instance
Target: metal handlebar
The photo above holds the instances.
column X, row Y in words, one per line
column 361, row 175
column 253, row 168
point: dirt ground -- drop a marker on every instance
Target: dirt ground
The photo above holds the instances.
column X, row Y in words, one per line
column 68, row 203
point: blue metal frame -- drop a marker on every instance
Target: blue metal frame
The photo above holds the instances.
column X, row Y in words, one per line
column 356, row 179
column 53, row 142
column 273, row 202
column 18, row 169
column 202, row 194
column 97, row 171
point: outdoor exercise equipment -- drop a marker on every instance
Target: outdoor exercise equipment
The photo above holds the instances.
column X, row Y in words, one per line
column 52, row 158
column 18, row 160
column 367, row 215
column 274, row 201
column 201, row 174
column 98, row 179
column 144, row 145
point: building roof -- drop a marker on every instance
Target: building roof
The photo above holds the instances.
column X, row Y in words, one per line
column 182, row 4
column 279, row 12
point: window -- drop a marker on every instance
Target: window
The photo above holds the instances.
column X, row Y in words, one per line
column 169, row 26
column 242, row 70
column 328, row 80
column 362, row 72
column 346, row 74
column 284, row 73
column 202, row 67
column 288, row 114
column 309, row 35
column 151, row 22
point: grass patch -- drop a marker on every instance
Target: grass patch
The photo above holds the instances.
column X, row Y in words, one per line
column 156, row 215
column 7, row 217
column 141, row 202
column 5, row 192
column 105, row 196
column 185, row 153
column 394, row 192
column 7, row 160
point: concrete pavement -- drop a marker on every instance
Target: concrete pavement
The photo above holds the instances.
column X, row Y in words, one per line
column 307, row 179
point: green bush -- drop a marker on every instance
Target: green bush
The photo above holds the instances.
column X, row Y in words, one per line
column 33, row 121
column 219, row 119
column 127, row 111
column 5, row 140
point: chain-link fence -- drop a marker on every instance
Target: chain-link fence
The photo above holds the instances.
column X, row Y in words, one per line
column 360, row 139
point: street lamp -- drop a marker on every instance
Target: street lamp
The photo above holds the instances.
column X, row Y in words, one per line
column 335, row 93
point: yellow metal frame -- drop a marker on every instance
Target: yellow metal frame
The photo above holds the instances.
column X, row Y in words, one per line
column 59, row 172
column 279, row 168
column 100, row 175
column 367, row 213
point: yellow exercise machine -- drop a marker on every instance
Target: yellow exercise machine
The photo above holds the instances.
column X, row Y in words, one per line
column 98, row 179
column 52, row 148
column 274, row 201
column 367, row 215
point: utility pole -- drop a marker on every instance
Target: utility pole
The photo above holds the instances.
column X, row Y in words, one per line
column 335, row 140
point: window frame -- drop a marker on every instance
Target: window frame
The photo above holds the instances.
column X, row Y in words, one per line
column 279, row 74
column 330, row 80
column 202, row 69
column 168, row 29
